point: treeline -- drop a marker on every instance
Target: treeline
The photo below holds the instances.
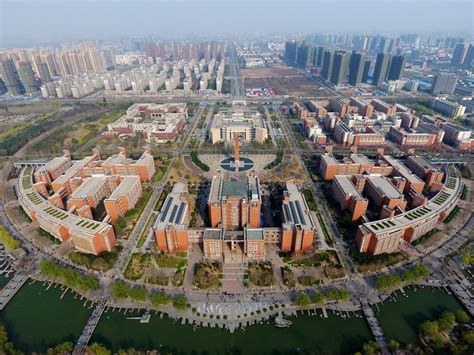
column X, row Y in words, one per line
column 68, row 276
column 449, row 334
column 7, row 239
column 122, row 291
column 392, row 281
column 333, row 294
column 6, row 346
column 12, row 140
column 198, row 162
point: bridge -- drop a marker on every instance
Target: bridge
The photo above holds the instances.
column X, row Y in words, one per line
column 7, row 293
column 88, row 330
column 374, row 325
column 30, row 163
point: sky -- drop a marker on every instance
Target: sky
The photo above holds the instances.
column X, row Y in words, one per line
column 26, row 22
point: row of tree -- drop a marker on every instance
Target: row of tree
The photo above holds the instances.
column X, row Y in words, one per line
column 68, row 276
column 393, row 281
column 198, row 162
column 121, row 291
column 305, row 299
column 7, row 239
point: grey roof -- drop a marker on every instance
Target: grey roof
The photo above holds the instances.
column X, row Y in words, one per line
column 234, row 188
column 296, row 211
column 254, row 234
column 213, row 234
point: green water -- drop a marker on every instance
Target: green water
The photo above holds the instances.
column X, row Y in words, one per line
column 4, row 280
column 37, row 319
column 333, row 335
column 400, row 319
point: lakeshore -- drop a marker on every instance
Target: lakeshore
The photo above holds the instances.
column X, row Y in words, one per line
column 35, row 321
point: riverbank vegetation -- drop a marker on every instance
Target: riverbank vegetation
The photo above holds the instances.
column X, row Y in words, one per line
column 448, row 334
column 122, row 291
column 68, row 276
column 8, row 240
column 393, row 281
column 6, row 346
column 332, row 294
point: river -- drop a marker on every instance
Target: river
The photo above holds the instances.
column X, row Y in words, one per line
column 37, row 319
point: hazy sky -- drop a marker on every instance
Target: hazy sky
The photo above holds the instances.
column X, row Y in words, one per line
column 36, row 22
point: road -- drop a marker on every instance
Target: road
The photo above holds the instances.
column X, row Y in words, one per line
column 237, row 89
column 157, row 189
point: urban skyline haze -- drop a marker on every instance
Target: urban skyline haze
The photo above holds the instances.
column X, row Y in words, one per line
column 28, row 23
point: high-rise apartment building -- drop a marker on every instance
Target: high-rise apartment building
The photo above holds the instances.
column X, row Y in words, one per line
column 27, row 77
column 328, row 62
column 365, row 75
column 444, row 84
column 459, row 54
column 381, row 68
column 11, row 78
column 356, row 68
column 397, row 67
column 340, row 68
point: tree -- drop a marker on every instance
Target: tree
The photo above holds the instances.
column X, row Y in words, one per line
column 468, row 338
column 393, row 345
column 138, row 293
column 318, row 298
column 303, row 299
column 370, row 348
column 160, row 298
column 446, row 322
column 7, row 239
column 97, row 349
column 386, row 282
column 62, row 348
column 429, row 328
column 120, row 290
column 180, row 302
column 461, row 316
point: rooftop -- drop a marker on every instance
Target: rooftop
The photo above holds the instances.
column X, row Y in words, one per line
column 124, row 186
column 429, row 210
column 295, row 210
column 174, row 209
column 254, row 234
column 420, row 161
column 385, row 187
column 213, row 234
column 89, row 187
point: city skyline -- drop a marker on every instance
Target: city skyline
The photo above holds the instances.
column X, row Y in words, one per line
column 187, row 19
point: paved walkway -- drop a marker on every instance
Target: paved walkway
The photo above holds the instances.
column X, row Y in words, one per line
column 88, row 330
column 13, row 286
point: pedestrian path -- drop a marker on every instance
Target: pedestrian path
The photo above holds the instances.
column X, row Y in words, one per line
column 88, row 330
column 374, row 325
column 13, row 286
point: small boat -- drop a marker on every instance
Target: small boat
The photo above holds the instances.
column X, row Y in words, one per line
column 280, row 322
